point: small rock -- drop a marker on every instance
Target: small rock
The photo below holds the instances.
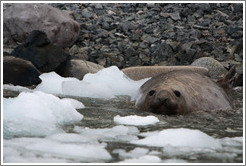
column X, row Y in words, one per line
column 216, row 69
column 175, row 16
column 78, row 68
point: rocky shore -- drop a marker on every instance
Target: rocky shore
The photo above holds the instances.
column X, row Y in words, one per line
column 164, row 34
column 144, row 34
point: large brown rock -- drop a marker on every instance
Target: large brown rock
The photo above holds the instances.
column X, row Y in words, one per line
column 19, row 20
column 18, row 71
column 78, row 68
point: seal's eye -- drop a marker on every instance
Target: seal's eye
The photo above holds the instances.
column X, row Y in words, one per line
column 151, row 93
column 177, row 93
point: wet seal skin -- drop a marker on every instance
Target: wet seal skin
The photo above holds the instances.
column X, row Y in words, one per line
column 181, row 92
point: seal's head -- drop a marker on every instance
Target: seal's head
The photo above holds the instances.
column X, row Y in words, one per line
column 165, row 101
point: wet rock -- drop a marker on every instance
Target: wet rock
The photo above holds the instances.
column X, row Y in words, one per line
column 45, row 56
column 161, row 52
column 79, row 53
column 87, row 14
column 78, row 68
column 238, row 77
column 18, row 71
column 130, row 51
column 150, row 39
column 215, row 68
column 126, row 26
column 175, row 16
column 22, row 18
column 238, row 7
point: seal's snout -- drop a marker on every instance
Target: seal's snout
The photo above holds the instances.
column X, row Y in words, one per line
column 162, row 99
column 163, row 96
column 163, row 102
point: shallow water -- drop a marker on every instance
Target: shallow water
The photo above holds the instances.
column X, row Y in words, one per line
column 99, row 114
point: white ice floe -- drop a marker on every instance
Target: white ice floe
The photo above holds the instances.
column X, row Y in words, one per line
column 174, row 161
column 136, row 120
column 16, row 88
column 86, row 89
column 143, row 159
column 52, row 83
column 135, row 153
column 23, row 148
column 116, row 80
column 118, row 133
column 180, row 137
column 75, row 103
column 107, row 83
column 72, row 138
column 36, row 114
column 234, row 141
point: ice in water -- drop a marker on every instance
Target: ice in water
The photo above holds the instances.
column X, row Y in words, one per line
column 21, row 149
column 190, row 138
column 42, row 115
column 37, row 114
column 107, row 83
column 136, row 120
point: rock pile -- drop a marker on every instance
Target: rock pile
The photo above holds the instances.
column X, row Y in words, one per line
column 166, row 34
column 132, row 34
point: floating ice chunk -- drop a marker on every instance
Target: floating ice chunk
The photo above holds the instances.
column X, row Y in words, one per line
column 75, row 103
column 116, row 80
column 143, row 159
column 85, row 89
column 136, row 120
column 72, row 138
column 39, row 148
column 118, row 133
column 137, row 152
column 85, row 152
column 185, row 151
column 16, row 88
column 18, row 155
column 180, row 138
column 107, row 83
column 234, row 141
column 174, row 161
column 52, row 83
column 36, row 114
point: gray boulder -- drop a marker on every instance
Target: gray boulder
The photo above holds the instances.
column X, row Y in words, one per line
column 78, row 68
column 215, row 69
column 19, row 20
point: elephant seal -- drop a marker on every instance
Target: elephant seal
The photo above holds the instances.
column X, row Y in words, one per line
column 181, row 92
column 140, row 72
